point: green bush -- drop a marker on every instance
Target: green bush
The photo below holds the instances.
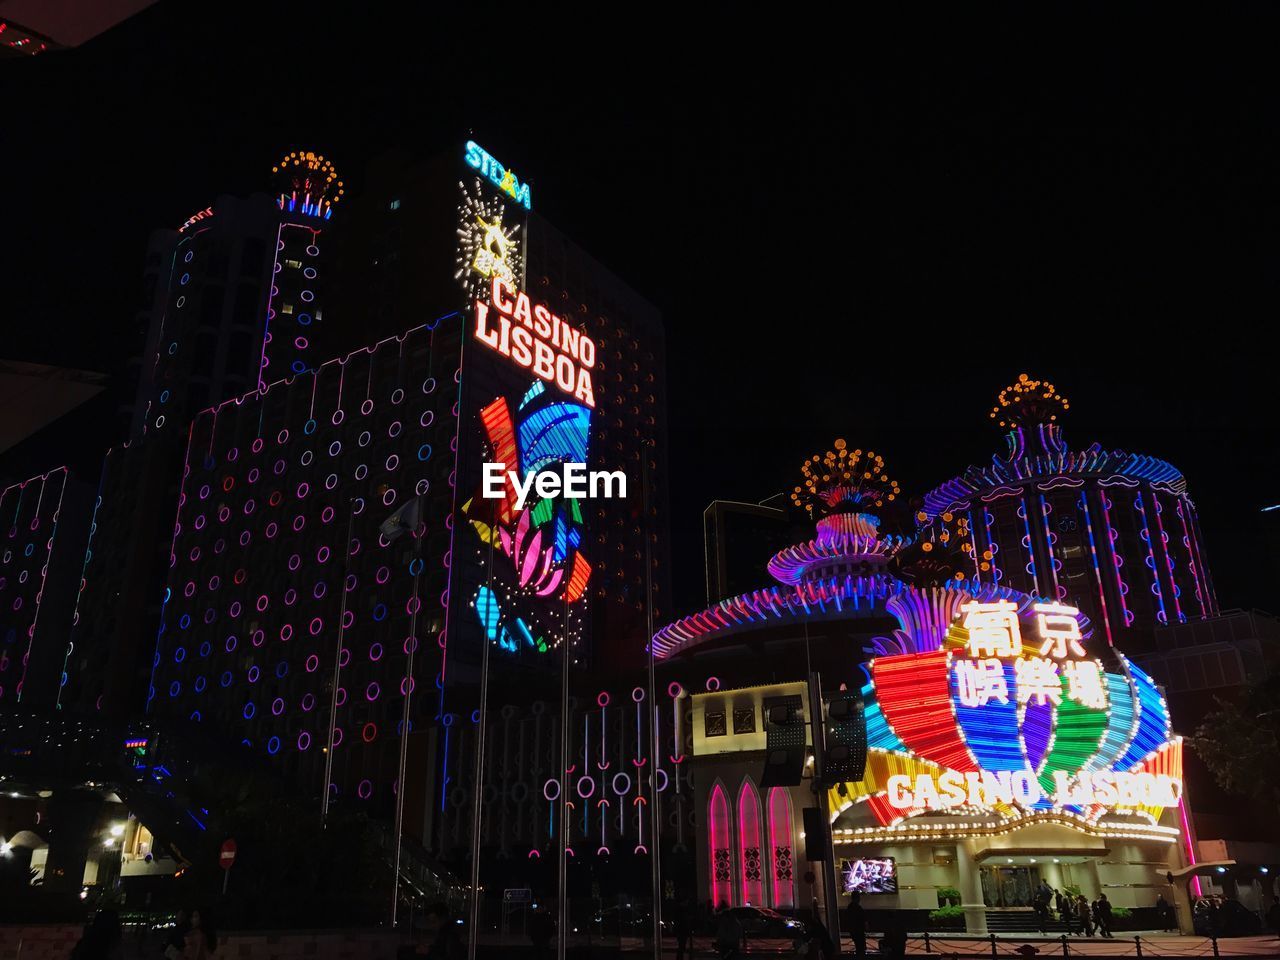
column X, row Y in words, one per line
column 946, row 914
column 948, row 896
column 1121, row 913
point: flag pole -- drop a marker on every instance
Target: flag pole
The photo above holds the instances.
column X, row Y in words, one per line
column 415, row 565
column 337, row 669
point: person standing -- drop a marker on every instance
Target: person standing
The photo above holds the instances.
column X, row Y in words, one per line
column 1164, row 911
column 855, row 921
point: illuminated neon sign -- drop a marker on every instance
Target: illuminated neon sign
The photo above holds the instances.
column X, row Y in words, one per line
column 504, row 179
column 531, row 336
column 1009, row 713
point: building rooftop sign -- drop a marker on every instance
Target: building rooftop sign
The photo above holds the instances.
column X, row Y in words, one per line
column 487, row 165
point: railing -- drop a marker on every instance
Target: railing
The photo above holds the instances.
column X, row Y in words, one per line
column 1143, row 946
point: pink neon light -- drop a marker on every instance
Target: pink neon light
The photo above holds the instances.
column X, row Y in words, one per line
column 719, row 839
column 780, row 837
column 749, row 839
column 1190, row 844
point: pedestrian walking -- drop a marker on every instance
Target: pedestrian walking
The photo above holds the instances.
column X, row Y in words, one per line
column 1084, row 915
column 1102, row 908
column 1164, row 911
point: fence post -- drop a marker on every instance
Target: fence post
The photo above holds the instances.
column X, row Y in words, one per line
column 1066, row 950
column 926, row 942
column 993, row 946
column 1137, row 942
column 1214, row 938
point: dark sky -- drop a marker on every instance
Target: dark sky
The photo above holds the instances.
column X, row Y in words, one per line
column 852, row 229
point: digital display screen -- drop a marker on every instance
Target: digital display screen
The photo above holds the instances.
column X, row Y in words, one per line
column 870, row 875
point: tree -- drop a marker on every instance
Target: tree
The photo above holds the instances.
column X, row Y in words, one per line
column 1239, row 742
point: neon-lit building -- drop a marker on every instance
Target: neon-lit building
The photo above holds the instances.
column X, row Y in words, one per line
column 1007, row 742
column 1113, row 533
column 243, row 284
column 290, row 613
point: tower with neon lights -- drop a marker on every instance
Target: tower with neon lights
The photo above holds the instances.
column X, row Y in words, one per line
column 1112, row 532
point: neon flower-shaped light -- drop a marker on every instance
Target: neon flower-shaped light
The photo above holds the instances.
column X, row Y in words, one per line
column 306, row 181
column 837, row 487
column 1005, row 712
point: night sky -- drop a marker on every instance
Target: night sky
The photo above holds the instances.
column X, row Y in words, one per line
column 851, row 229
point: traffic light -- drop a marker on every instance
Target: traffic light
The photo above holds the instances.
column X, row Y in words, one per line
column 785, row 737
column 816, row 842
column 846, row 757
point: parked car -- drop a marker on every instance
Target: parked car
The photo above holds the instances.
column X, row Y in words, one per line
column 1234, row 919
column 766, row 923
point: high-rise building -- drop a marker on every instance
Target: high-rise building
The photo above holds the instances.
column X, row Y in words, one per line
column 295, row 551
column 229, row 297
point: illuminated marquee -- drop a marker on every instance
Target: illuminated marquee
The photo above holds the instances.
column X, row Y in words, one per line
column 531, row 336
column 1010, row 713
column 505, row 180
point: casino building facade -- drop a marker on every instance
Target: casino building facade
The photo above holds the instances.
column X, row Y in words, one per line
column 1006, row 741
column 290, row 549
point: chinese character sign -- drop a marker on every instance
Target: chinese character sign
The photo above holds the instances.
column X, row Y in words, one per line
column 1011, row 711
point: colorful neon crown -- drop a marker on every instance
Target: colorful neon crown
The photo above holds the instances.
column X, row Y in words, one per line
column 306, row 181
column 835, row 485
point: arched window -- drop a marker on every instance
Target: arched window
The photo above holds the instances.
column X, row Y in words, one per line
column 781, row 858
column 749, row 846
column 720, row 847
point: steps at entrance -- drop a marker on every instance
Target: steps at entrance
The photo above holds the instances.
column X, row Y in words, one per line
column 1021, row 921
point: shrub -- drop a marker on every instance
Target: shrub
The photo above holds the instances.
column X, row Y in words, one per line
column 948, row 896
column 947, row 914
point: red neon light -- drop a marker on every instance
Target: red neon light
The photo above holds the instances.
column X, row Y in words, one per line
column 578, row 578
column 498, row 427
column 914, row 691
